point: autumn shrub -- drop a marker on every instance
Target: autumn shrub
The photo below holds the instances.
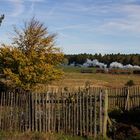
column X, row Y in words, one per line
column 31, row 59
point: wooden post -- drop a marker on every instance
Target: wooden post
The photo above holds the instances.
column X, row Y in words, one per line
column 83, row 114
column 29, row 111
column 80, row 114
column 33, row 111
column 91, row 112
column 69, row 114
column 39, row 112
column 137, row 92
column 59, row 118
column 46, row 112
column 49, row 113
column 36, row 109
column 101, row 119
column 127, row 103
column 95, row 116
column 105, row 114
column 77, row 114
column 16, row 108
column 74, row 115
column 66, row 110
column 43, row 112
column 20, row 111
column 1, row 98
column 4, row 107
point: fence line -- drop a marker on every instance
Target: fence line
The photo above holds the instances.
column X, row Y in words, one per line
column 78, row 112
column 124, row 98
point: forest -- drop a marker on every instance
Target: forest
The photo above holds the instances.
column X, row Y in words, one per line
column 133, row 59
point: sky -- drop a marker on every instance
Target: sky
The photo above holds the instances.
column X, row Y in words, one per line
column 82, row 26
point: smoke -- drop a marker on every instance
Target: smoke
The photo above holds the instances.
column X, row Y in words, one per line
column 116, row 65
column 121, row 66
column 136, row 67
column 94, row 63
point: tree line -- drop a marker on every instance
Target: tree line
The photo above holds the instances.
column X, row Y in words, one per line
column 133, row 59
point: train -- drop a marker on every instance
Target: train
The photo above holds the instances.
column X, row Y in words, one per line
column 112, row 71
column 118, row 71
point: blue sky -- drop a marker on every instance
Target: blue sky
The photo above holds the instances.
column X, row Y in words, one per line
column 83, row 26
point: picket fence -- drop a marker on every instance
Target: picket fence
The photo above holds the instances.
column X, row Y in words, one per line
column 124, row 98
column 82, row 112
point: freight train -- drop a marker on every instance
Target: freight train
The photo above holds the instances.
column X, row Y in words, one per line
column 112, row 71
column 118, row 71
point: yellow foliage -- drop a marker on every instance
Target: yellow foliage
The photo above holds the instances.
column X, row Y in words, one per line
column 33, row 59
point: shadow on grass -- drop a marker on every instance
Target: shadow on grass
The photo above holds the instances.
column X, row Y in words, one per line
column 126, row 124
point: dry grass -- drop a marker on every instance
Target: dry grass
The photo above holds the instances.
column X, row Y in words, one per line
column 74, row 79
column 38, row 136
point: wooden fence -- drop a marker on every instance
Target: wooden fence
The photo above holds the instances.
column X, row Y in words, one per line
column 124, row 98
column 81, row 112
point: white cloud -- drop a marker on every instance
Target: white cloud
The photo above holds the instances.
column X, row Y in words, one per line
column 109, row 18
column 99, row 48
column 35, row 0
column 118, row 17
column 75, row 26
column 32, row 7
column 18, row 7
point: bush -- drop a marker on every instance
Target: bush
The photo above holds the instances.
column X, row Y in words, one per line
column 130, row 83
column 125, row 131
column 126, row 124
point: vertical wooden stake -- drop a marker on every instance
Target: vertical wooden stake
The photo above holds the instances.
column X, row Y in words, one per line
column 77, row 114
column 127, row 104
column 95, row 117
column 36, row 111
column 40, row 112
column 105, row 114
column 101, row 119
column 80, row 114
column 91, row 111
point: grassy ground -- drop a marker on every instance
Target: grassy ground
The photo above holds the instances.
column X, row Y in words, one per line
column 73, row 77
column 40, row 136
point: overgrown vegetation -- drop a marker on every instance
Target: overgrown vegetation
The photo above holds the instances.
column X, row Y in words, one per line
column 130, row 83
column 31, row 59
column 125, row 124
column 41, row 136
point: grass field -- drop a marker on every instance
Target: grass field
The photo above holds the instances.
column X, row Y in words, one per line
column 73, row 78
column 41, row 136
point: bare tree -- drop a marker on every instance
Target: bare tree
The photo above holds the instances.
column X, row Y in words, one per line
column 1, row 18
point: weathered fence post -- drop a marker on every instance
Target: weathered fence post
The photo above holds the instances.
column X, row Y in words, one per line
column 95, row 115
column 105, row 114
column 101, row 109
column 127, row 103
